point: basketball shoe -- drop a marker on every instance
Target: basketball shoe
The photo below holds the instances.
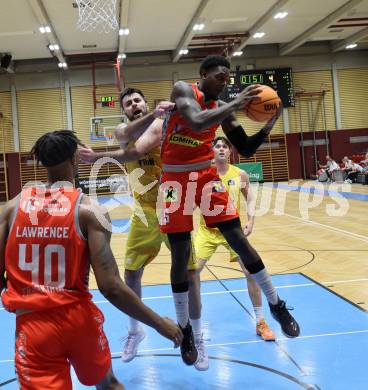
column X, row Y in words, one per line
column 202, row 363
column 280, row 313
column 131, row 345
column 188, row 349
column 263, row 330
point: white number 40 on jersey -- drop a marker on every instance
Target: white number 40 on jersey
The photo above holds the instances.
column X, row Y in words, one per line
column 34, row 265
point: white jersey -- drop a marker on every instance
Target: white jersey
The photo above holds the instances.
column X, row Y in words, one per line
column 332, row 165
column 357, row 167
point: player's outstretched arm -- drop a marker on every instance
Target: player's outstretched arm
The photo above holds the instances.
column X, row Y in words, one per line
column 126, row 133
column 199, row 119
column 149, row 140
column 244, row 144
column 108, row 278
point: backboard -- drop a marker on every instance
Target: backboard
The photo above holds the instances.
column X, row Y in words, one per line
column 102, row 127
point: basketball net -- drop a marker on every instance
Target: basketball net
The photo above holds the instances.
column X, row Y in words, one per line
column 99, row 15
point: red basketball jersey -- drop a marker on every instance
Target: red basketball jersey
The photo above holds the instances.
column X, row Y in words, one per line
column 180, row 144
column 46, row 262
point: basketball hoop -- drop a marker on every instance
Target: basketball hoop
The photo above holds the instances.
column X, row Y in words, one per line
column 97, row 15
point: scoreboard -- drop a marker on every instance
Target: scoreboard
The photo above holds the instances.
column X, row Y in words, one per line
column 280, row 79
column 107, row 101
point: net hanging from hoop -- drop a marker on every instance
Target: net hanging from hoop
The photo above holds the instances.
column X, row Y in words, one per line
column 97, row 15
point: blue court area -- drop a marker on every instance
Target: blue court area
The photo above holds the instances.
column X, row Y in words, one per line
column 330, row 353
column 119, row 225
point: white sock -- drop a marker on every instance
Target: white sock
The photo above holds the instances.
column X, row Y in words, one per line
column 134, row 325
column 181, row 308
column 258, row 311
column 197, row 329
column 264, row 281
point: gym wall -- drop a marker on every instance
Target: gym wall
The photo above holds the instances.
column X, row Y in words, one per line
column 6, row 123
column 353, row 89
column 314, row 81
column 39, row 111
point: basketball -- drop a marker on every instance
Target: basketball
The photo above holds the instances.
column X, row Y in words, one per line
column 263, row 110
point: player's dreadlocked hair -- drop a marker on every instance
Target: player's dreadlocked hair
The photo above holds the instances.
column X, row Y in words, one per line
column 55, row 147
column 213, row 61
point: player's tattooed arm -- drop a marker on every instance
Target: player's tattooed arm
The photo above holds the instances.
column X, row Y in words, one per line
column 106, row 271
column 199, row 119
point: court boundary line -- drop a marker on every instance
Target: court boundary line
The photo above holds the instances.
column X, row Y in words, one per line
column 8, row 382
column 291, row 378
column 240, row 342
column 314, row 282
column 284, row 375
column 334, row 292
column 277, row 287
column 257, row 341
column 281, row 348
column 321, row 225
column 271, row 370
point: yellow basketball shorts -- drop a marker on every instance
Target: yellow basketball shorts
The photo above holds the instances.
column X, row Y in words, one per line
column 145, row 240
column 206, row 242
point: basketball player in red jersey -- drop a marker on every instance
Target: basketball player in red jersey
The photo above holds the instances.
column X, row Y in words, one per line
column 49, row 237
column 140, row 150
column 186, row 154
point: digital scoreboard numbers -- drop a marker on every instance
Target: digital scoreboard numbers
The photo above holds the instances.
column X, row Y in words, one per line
column 107, row 101
column 280, row 80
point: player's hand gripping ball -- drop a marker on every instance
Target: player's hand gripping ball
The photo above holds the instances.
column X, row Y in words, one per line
column 265, row 108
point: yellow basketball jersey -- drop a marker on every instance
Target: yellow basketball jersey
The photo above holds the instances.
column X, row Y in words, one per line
column 232, row 183
column 151, row 165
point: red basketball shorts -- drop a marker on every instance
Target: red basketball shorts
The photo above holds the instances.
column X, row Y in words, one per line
column 48, row 342
column 181, row 192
